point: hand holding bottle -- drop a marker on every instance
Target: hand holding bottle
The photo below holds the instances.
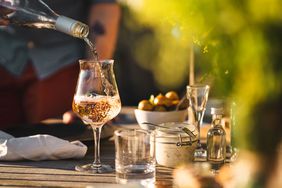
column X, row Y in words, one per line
column 3, row 14
column 35, row 13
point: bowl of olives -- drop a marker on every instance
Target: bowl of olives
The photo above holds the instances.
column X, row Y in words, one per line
column 159, row 109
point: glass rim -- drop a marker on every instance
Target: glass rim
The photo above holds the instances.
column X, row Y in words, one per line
column 126, row 132
column 109, row 61
column 178, row 130
column 198, row 86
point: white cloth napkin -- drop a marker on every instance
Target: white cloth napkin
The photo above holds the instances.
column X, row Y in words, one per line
column 38, row 147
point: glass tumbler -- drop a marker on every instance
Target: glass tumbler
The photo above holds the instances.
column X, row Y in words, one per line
column 135, row 156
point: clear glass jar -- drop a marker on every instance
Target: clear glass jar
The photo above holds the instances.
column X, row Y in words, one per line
column 175, row 143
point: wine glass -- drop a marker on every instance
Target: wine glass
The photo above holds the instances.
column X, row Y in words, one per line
column 198, row 97
column 96, row 101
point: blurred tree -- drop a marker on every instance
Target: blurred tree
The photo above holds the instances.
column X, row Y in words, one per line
column 136, row 56
column 238, row 51
column 135, row 80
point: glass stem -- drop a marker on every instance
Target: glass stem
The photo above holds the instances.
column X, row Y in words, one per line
column 199, row 117
column 199, row 135
column 97, row 135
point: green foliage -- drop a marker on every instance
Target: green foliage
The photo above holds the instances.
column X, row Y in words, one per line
column 236, row 43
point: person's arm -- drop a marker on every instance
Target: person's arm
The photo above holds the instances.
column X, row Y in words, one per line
column 3, row 14
column 104, row 23
column 3, row 22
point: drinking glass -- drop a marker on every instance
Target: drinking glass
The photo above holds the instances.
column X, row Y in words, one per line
column 96, row 101
column 135, row 157
column 198, row 97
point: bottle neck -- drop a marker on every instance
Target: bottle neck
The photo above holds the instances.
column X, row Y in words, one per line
column 216, row 120
column 71, row 27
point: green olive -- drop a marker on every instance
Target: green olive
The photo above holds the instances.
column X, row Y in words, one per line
column 145, row 105
column 172, row 95
column 160, row 109
column 159, row 100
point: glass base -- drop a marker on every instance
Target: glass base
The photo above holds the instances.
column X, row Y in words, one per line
column 148, row 183
column 89, row 168
column 200, row 154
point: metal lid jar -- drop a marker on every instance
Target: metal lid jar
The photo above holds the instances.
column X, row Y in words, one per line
column 175, row 143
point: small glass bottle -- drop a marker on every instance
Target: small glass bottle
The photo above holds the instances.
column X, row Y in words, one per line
column 35, row 13
column 216, row 140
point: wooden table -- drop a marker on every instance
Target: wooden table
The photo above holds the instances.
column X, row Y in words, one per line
column 62, row 174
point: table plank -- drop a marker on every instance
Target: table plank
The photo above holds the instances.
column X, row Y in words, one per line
column 62, row 174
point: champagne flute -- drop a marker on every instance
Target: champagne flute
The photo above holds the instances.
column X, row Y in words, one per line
column 198, row 97
column 96, row 101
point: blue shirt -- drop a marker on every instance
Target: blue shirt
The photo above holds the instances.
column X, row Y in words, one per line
column 47, row 50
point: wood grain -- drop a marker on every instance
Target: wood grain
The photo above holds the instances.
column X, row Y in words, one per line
column 62, row 174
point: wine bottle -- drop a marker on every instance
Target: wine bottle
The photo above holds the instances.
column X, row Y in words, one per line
column 35, row 13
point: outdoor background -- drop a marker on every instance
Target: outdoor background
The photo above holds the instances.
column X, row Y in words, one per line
column 237, row 47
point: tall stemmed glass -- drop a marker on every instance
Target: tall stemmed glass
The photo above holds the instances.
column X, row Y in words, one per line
column 198, row 97
column 96, row 101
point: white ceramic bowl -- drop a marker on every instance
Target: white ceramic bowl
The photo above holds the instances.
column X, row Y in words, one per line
column 158, row 117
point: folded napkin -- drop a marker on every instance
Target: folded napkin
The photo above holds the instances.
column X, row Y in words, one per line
column 38, row 147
